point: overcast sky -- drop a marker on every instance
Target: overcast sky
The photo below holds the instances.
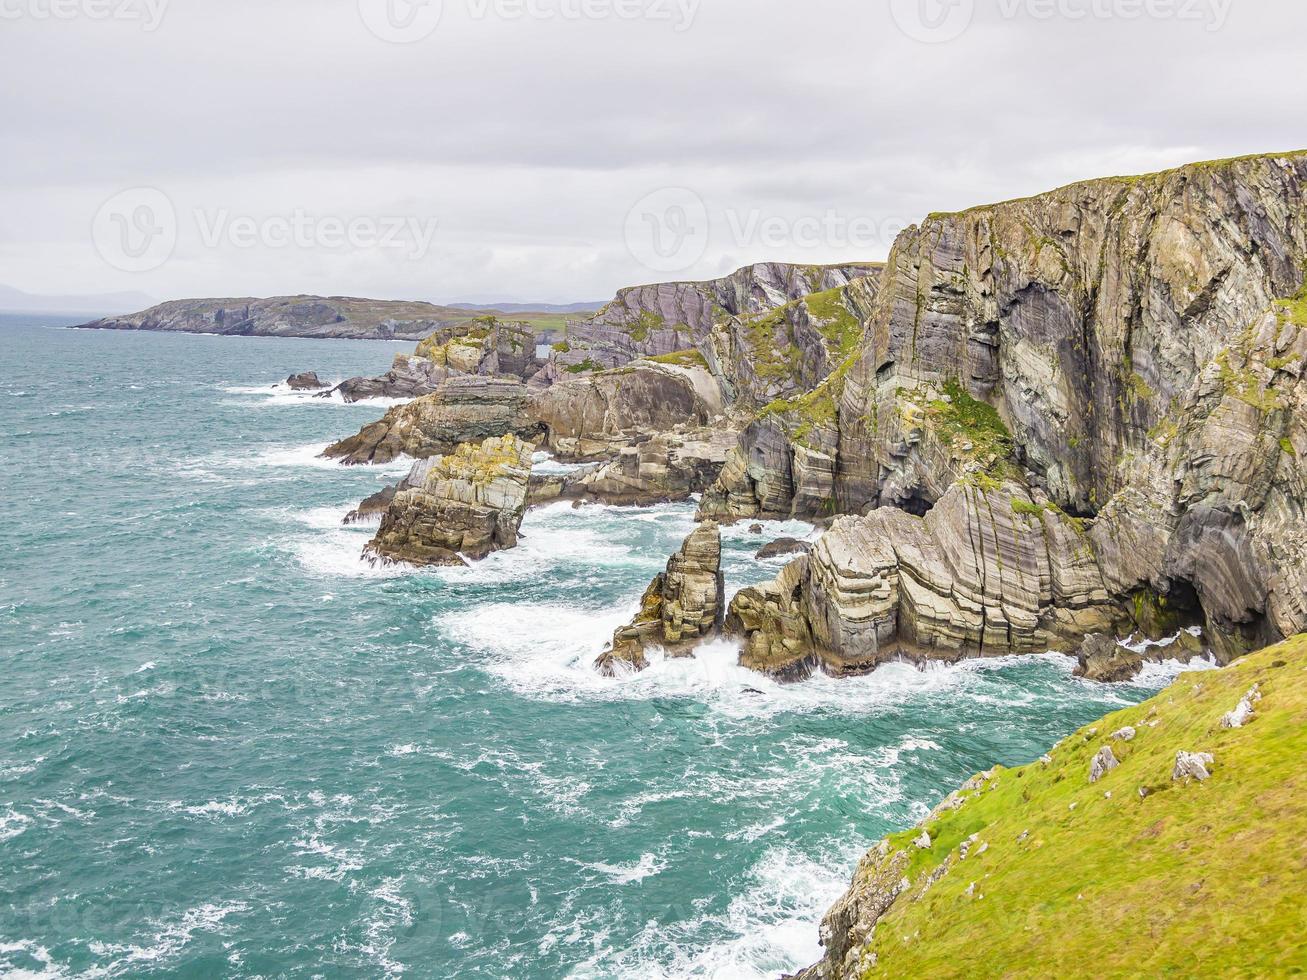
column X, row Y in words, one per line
column 558, row 149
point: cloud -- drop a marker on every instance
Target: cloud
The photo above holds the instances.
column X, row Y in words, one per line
column 528, row 138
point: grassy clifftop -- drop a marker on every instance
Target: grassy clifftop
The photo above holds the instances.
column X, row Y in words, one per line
column 1134, row 874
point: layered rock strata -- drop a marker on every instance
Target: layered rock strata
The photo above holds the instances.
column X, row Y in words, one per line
column 681, row 608
column 465, row 409
column 486, row 346
column 667, row 468
column 459, row 507
column 1118, row 347
column 664, row 318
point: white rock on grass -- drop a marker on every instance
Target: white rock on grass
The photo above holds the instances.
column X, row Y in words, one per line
column 923, row 841
column 1103, row 763
column 1126, row 734
column 1192, row 765
column 1243, row 712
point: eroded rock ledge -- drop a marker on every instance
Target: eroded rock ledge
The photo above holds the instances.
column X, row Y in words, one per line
column 466, row 409
column 458, row 507
column 989, row 571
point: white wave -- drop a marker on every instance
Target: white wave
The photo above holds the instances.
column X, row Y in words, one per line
column 169, row 939
column 213, row 808
column 769, row 928
column 282, row 394
column 49, row 969
column 543, row 464
column 648, row 866
column 13, row 823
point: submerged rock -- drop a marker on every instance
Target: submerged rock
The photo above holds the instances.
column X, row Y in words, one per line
column 681, row 608
column 458, row 507
column 782, row 547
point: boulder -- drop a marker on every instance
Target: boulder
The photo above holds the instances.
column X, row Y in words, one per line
column 459, row 507
column 681, row 608
column 1192, row 765
column 305, row 381
column 1103, row 763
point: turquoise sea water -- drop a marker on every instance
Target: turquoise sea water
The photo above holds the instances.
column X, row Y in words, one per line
column 228, row 748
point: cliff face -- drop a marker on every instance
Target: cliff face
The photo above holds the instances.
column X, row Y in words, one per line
column 1106, row 851
column 1083, row 315
column 666, row 318
column 1115, row 348
column 335, row 317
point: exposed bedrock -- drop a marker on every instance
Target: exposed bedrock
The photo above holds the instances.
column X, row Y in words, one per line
column 486, row 346
column 459, row 507
column 666, row 318
column 988, row 571
column 596, row 416
column 1118, row 347
column 667, row 468
column 464, row 409
column 681, row 608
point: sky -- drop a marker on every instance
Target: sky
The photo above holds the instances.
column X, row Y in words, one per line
column 556, row 150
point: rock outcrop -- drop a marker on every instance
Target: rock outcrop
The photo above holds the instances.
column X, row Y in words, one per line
column 668, row 468
column 459, row 507
column 464, row 409
column 305, row 381
column 1116, row 347
column 989, row 571
column 485, row 346
column 783, row 547
column 598, row 415
column 665, row 318
column 1104, row 660
column 681, row 608
column 328, row 317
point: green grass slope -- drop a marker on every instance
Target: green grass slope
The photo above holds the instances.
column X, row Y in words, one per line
column 1186, row 879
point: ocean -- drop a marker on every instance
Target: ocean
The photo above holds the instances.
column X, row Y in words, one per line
column 230, row 748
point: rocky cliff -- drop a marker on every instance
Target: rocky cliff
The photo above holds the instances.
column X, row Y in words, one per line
column 1117, row 349
column 666, row 318
column 1106, row 850
column 457, row 507
column 335, row 317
